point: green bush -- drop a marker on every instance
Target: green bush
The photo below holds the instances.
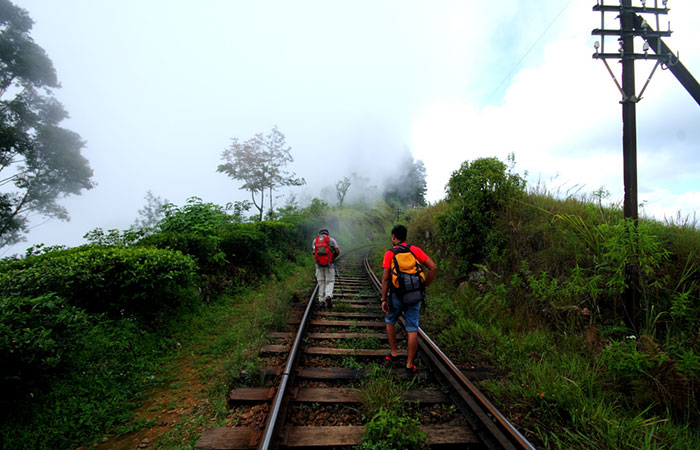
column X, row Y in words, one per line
column 194, row 229
column 388, row 431
column 115, row 280
column 35, row 339
column 476, row 193
column 227, row 251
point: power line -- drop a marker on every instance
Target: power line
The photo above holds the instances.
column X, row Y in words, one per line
column 529, row 50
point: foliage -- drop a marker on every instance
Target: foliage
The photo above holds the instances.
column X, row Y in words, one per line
column 259, row 163
column 36, row 339
column 194, row 229
column 39, row 161
column 381, row 390
column 477, row 193
column 228, row 252
column 341, row 189
column 115, row 280
column 81, row 368
column 388, row 431
column 390, row 426
column 113, row 237
column 101, row 364
column 545, row 309
column 598, row 279
column 406, row 187
column 152, row 212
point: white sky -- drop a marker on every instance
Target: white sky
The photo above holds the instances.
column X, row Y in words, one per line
column 157, row 88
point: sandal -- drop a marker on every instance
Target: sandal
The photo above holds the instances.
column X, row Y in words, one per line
column 412, row 370
column 391, row 358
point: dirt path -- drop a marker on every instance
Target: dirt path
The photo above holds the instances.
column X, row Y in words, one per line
column 167, row 410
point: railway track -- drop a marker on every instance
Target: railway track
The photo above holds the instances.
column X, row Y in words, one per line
column 311, row 391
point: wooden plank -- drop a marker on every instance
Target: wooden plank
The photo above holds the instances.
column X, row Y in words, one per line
column 271, row 348
column 380, row 336
column 323, row 436
column 229, row 438
column 306, row 436
column 349, row 351
column 330, row 373
column 356, row 295
column 349, row 395
column 348, row 323
column 328, row 395
column 426, row 396
column 363, row 315
column 341, row 373
column 355, row 301
column 259, row 394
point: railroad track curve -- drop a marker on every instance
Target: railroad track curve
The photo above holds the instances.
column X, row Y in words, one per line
column 310, row 390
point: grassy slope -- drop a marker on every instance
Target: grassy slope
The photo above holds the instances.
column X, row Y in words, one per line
column 555, row 380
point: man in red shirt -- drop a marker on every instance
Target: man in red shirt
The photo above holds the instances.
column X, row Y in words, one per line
column 394, row 309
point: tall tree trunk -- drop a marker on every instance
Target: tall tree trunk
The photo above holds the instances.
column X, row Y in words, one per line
column 272, row 211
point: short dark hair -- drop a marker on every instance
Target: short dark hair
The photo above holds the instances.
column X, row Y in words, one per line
column 400, row 232
column 323, row 231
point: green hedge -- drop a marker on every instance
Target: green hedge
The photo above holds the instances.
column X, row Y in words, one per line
column 35, row 337
column 119, row 281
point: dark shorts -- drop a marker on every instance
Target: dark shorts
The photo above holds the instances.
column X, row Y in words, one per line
column 410, row 314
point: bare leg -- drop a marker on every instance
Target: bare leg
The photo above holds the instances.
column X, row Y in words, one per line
column 391, row 337
column 412, row 346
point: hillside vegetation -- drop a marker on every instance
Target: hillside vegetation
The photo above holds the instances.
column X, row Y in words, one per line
column 532, row 286
column 529, row 285
column 85, row 330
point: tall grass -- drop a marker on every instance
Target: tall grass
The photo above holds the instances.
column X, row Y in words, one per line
column 544, row 308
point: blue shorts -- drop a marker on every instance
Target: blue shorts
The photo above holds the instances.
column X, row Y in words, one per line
column 410, row 314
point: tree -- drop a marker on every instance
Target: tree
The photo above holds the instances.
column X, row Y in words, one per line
column 151, row 213
column 407, row 187
column 341, row 189
column 39, row 161
column 259, row 163
column 477, row 193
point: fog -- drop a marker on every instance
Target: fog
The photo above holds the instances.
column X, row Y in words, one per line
column 157, row 89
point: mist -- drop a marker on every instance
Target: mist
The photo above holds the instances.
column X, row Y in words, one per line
column 158, row 89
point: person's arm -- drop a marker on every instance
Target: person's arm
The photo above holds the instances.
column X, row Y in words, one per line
column 432, row 268
column 385, row 290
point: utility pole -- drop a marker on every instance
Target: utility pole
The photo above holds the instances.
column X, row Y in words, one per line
column 629, row 113
column 627, row 14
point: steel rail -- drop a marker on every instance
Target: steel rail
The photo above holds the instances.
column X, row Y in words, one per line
column 272, row 423
column 273, row 418
column 513, row 438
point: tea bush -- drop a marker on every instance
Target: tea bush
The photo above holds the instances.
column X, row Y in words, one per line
column 115, row 280
column 36, row 336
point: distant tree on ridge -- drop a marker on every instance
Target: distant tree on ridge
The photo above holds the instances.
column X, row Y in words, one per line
column 259, row 163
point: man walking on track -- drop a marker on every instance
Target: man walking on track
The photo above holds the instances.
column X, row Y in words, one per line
column 405, row 280
column 325, row 251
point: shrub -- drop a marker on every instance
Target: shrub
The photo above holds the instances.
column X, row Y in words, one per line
column 35, row 336
column 194, row 229
column 119, row 281
column 387, row 430
column 476, row 193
